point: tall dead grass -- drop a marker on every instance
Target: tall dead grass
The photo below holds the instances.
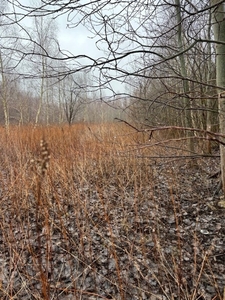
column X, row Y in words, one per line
column 87, row 226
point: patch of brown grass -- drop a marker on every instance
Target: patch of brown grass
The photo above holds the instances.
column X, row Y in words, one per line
column 90, row 226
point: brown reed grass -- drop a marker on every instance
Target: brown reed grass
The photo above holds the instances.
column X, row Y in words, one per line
column 100, row 192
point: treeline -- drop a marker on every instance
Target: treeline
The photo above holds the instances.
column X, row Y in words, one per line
column 168, row 75
column 23, row 106
column 176, row 82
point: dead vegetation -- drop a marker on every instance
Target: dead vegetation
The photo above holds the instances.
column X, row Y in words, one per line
column 107, row 217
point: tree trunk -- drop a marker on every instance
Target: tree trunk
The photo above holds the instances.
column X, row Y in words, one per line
column 209, row 102
column 4, row 95
column 218, row 16
column 187, row 105
column 41, row 94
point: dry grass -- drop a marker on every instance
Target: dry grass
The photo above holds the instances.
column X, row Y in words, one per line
column 89, row 225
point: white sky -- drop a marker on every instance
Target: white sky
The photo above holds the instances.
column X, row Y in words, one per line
column 79, row 41
column 76, row 40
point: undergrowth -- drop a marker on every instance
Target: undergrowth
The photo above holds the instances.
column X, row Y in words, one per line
column 82, row 217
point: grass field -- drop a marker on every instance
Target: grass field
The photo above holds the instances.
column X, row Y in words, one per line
column 100, row 212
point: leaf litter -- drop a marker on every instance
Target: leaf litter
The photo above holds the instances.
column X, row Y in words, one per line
column 107, row 238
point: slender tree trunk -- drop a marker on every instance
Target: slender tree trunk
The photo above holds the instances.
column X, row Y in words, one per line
column 4, row 95
column 41, row 93
column 60, row 117
column 187, row 104
column 210, row 102
column 47, row 103
column 218, row 17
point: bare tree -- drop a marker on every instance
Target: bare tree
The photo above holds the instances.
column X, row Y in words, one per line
column 44, row 34
column 218, row 13
column 73, row 98
column 8, row 47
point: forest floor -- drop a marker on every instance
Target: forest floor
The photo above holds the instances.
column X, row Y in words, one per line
column 113, row 216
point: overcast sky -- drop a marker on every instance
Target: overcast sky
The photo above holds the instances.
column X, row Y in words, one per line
column 79, row 41
column 76, row 40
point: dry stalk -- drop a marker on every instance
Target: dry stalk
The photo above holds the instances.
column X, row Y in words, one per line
column 42, row 221
column 112, row 244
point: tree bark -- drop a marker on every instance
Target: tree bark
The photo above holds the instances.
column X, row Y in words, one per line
column 218, row 16
column 187, row 105
column 4, row 94
column 210, row 103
